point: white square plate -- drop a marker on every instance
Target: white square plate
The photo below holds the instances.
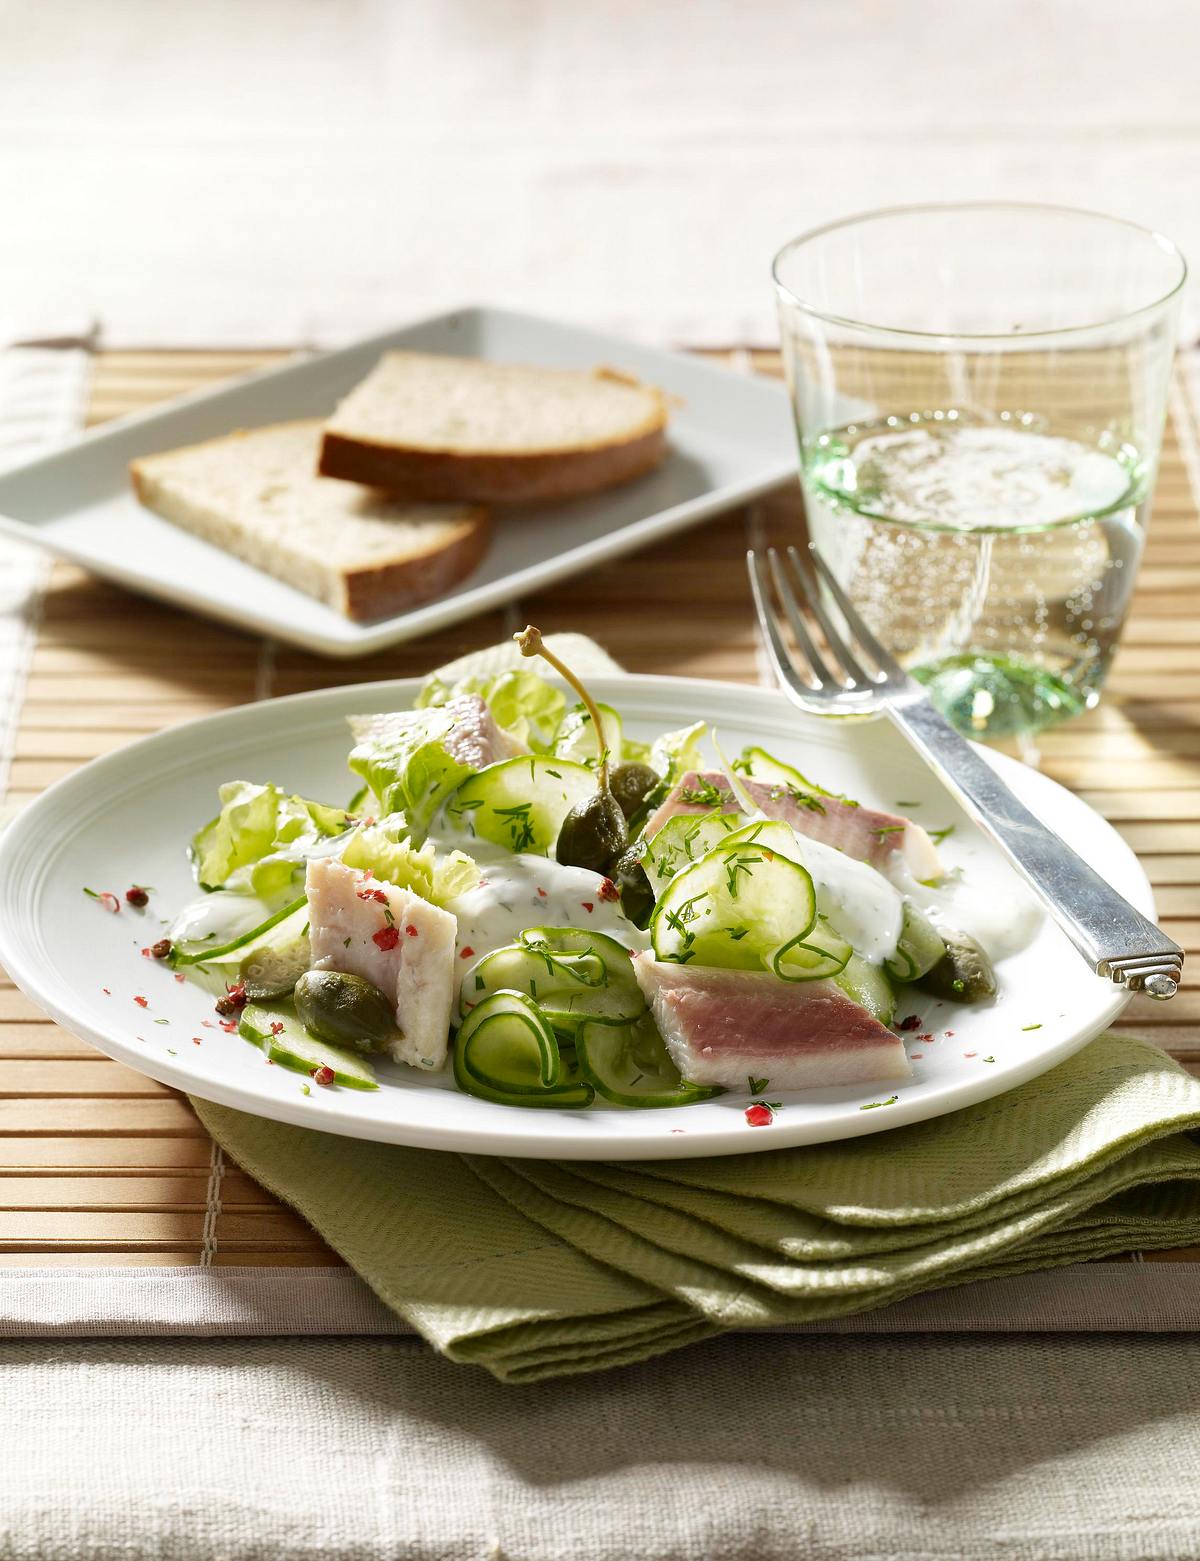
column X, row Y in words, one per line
column 730, row 439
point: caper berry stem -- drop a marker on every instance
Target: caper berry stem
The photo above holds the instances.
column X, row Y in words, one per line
column 531, row 643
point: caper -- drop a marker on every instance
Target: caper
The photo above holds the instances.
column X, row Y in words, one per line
column 593, row 833
column 964, row 973
column 344, row 1009
column 637, row 894
column 630, row 784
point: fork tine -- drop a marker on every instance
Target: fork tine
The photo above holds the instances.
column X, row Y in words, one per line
column 885, row 661
column 800, row 629
column 854, row 670
column 781, row 659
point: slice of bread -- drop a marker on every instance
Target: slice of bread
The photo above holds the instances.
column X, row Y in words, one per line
column 436, row 427
column 256, row 494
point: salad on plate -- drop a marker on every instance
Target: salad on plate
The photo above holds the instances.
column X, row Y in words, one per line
column 522, row 896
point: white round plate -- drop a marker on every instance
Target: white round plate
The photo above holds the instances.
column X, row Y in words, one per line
column 127, row 818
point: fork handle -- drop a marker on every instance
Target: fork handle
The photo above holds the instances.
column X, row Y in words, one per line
column 1115, row 939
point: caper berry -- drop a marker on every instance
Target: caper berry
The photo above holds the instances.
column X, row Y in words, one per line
column 593, row 833
column 630, row 784
column 344, row 1009
column 637, row 895
column 964, row 973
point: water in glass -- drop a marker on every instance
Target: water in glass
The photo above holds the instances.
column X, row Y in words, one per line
column 995, row 556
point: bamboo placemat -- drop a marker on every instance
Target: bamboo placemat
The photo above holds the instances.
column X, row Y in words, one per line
column 104, row 1168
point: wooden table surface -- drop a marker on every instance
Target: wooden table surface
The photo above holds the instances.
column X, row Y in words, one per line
column 101, row 1166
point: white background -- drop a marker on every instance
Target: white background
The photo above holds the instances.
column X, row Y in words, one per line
column 219, row 172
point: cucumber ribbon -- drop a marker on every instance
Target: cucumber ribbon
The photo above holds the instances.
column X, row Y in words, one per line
column 557, row 1018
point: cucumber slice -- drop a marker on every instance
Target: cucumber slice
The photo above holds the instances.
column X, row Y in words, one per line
column 273, row 963
column 759, row 765
column 869, row 986
column 572, row 975
column 772, row 833
column 919, row 948
column 205, row 956
column 685, row 839
column 562, row 942
column 506, row 1051
column 812, row 956
column 629, row 1065
column 576, row 738
column 269, row 965
column 820, row 951
column 521, row 803
column 744, row 906
column 292, row 1046
column 508, row 1045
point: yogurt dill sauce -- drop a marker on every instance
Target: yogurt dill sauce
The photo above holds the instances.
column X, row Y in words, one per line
column 988, row 903
column 519, row 892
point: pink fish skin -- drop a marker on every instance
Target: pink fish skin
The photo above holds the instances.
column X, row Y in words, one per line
column 884, row 840
column 476, row 738
column 723, row 1026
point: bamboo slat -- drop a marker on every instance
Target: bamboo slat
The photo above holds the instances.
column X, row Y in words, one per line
column 101, row 1166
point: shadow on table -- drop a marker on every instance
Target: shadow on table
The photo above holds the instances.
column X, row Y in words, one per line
column 931, row 1418
column 768, row 1448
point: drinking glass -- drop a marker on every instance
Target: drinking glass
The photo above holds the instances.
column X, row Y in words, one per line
column 979, row 394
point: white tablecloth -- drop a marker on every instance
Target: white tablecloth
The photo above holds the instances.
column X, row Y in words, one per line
column 746, row 1449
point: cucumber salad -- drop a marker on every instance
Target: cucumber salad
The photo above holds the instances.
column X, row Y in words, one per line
column 522, row 897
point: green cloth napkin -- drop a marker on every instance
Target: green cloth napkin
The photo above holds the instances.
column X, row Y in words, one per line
column 534, row 1269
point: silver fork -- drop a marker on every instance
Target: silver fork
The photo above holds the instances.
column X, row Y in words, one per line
column 1116, row 940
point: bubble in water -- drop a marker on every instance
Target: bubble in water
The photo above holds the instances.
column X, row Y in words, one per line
column 968, row 545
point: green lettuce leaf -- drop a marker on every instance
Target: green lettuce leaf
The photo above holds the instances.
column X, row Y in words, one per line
column 388, row 850
column 260, row 838
column 403, row 759
column 674, row 753
column 520, row 701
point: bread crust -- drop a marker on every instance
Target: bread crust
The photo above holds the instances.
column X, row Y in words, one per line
column 363, row 594
column 390, row 588
column 441, row 475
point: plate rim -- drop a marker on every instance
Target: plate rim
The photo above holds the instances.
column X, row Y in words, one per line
column 427, row 617
column 469, row 1139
